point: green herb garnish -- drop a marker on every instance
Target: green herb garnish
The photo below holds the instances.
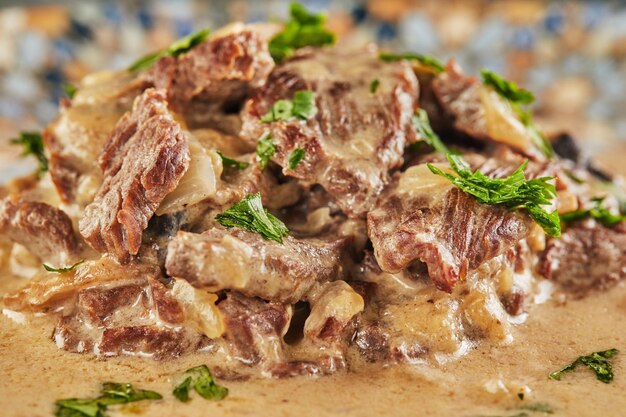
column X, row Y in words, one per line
column 374, row 85
column 538, row 138
column 301, row 107
column 598, row 362
column 422, row 125
column 232, row 163
column 304, row 29
column 425, row 60
column 179, row 47
column 249, row 214
column 295, row 157
column 62, row 270
column 601, row 214
column 201, row 380
column 32, row 144
column 507, row 89
column 265, row 149
column 70, row 90
column 112, row 393
column 513, row 192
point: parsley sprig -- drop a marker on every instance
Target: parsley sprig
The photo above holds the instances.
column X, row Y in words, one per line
column 249, row 214
column 513, row 192
column 112, row 393
column 301, row 107
column 296, row 157
column 598, row 212
column 201, row 380
column 517, row 97
column 598, row 362
column 177, row 48
column 63, row 270
column 425, row 60
column 232, row 163
column 304, row 29
column 265, row 149
column 32, row 144
column 422, row 125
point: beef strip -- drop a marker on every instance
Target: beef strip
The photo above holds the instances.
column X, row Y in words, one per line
column 235, row 259
column 216, row 75
column 587, row 257
column 423, row 218
column 355, row 137
column 142, row 162
column 46, row 231
column 255, row 328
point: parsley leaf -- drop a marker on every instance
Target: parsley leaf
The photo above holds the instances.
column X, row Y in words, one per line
column 232, row 163
column 601, row 214
column 265, row 149
column 597, row 362
column 374, row 85
column 111, row 393
column 538, row 138
column 422, row 125
column 295, row 157
column 302, row 107
column 201, row 379
column 62, row 270
column 249, row 214
column 425, row 60
column 177, row 48
column 304, row 29
column 32, row 144
column 513, row 192
column 70, row 90
column 507, row 89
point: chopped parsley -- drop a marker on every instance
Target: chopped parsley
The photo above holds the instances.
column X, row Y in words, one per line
column 232, row 163
column 62, row 270
column 374, row 85
column 201, row 380
column 249, row 214
column 507, row 89
column 32, row 144
column 538, row 138
column 301, row 107
column 304, row 29
column 179, row 47
column 70, row 90
column 425, row 60
column 422, row 125
column 597, row 212
column 513, row 192
column 295, row 157
column 265, row 149
column 598, row 362
column 112, row 393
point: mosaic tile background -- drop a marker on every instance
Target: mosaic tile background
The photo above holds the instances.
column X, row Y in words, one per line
column 571, row 53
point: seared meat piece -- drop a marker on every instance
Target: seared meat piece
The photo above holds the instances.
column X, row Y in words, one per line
column 587, row 257
column 44, row 230
column 74, row 140
column 235, row 259
column 479, row 111
column 217, row 74
column 356, row 136
column 142, row 162
column 255, row 328
column 426, row 218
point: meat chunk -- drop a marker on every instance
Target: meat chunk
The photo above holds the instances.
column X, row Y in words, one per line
column 479, row 111
column 157, row 342
column 587, row 257
column 44, row 230
column 218, row 73
column 426, row 218
column 255, row 328
column 142, row 162
column 234, row 259
column 355, row 137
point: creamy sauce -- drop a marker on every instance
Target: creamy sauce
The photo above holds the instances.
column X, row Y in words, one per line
column 34, row 373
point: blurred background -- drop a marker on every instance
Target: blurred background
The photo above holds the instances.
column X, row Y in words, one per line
column 572, row 54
